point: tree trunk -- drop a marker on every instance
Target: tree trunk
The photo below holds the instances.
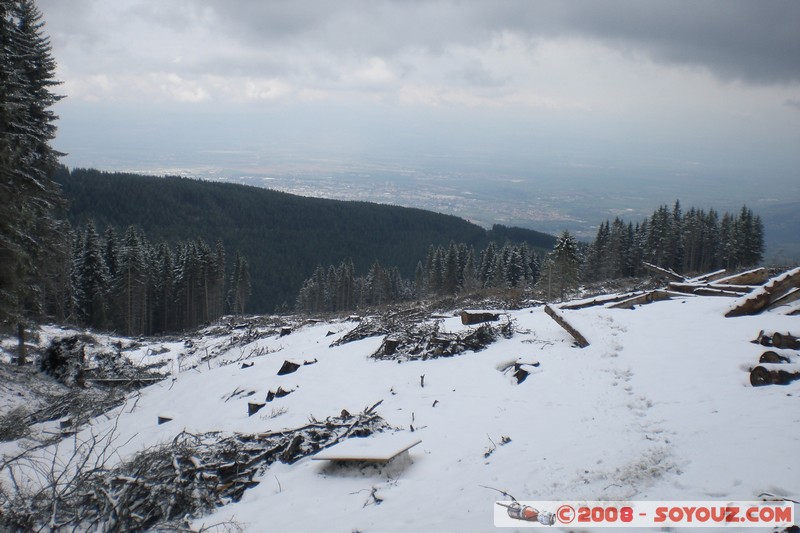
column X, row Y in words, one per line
column 21, row 348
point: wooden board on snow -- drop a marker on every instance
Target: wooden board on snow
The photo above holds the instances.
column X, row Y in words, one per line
column 380, row 448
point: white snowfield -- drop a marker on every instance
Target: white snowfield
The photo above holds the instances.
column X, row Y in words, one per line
column 658, row 407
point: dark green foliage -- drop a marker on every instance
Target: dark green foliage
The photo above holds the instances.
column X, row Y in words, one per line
column 566, row 262
column 29, row 235
column 694, row 242
column 151, row 289
column 283, row 236
column 448, row 271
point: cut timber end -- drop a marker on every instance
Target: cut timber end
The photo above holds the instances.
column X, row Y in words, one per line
column 559, row 318
column 774, row 290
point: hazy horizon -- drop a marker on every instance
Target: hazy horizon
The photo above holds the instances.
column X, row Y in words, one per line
column 616, row 106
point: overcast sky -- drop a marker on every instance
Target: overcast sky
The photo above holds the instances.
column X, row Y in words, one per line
column 525, row 87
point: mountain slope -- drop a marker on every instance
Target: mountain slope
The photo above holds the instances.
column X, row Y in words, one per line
column 284, row 236
column 658, row 407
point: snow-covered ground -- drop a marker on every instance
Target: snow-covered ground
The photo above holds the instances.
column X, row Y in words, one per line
column 658, row 407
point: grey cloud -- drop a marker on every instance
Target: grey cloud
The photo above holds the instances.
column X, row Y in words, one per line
column 748, row 40
column 475, row 73
column 737, row 39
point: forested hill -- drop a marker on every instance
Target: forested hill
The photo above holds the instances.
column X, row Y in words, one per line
column 284, row 236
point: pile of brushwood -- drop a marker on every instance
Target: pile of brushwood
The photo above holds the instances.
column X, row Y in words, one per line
column 161, row 487
column 383, row 325
column 425, row 340
column 67, row 361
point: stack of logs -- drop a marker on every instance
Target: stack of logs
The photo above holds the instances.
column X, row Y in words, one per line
column 779, row 366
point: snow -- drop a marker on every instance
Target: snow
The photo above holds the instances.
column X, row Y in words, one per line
column 658, row 407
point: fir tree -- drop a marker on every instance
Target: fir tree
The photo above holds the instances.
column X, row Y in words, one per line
column 240, row 286
column 27, row 125
column 93, row 282
column 566, row 263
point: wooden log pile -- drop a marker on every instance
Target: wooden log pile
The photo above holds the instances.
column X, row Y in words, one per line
column 716, row 284
column 778, row 291
column 779, row 366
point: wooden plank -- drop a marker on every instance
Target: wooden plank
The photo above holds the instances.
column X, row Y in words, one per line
column 758, row 300
column 379, row 448
column 559, row 318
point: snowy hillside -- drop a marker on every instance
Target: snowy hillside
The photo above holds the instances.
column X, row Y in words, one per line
column 659, row 406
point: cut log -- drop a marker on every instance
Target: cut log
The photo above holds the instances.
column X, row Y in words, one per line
column 774, row 374
column 561, row 321
column 708, row 278
column 791, row 296
column 757, row 276
column 470, row 317
column 711, row 289
column 664, row 272
column 787, row 340
column 646, row 298
column 772, row 357
column 769, row 293
column 601, row 300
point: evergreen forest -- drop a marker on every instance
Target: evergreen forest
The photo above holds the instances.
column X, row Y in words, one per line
column 283, row 236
